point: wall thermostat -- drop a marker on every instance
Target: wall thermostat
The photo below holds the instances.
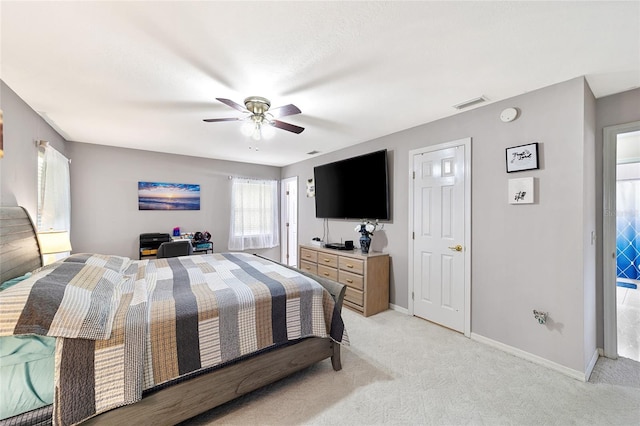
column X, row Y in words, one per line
column 509, row 114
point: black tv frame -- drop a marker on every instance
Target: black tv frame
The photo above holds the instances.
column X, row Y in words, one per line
column 354, row 188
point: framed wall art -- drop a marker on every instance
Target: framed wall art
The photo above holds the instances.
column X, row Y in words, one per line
column 168, row 196
column 522, row 157
column 521, row 191
column 311, row 188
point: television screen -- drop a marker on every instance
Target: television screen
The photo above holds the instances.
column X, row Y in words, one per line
column 355, row 188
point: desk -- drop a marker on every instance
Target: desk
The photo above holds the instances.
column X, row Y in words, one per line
column 150, row 242
column 203, row 247
column 198, row 248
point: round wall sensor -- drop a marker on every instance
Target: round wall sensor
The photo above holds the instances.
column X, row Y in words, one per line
column 509, row 114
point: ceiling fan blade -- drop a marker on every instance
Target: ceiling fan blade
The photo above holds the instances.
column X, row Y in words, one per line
column 285, row 110
column 232, row 104
column 288, row 127
column 213, row 120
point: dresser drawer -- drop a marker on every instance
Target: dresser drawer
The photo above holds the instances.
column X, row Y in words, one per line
column 309, row 267
column 308, row 255
column 354, row 296
column 351, row 280
column 326, row 272
column 352, row 265
column 328, row 260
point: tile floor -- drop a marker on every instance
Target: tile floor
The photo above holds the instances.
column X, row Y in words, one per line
column 628, row 301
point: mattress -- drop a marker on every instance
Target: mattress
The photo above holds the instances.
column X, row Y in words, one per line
column 27, row 363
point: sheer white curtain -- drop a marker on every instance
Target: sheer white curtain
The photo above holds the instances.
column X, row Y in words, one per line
column 54, row 202
column 254, row 214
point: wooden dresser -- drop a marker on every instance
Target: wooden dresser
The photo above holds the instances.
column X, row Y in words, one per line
column 365, row 275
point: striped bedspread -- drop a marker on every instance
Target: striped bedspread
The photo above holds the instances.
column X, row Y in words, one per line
column 126, row 326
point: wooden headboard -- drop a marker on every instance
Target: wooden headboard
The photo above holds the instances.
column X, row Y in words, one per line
column 19, row 249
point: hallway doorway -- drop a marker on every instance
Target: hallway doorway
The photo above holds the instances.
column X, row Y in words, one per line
column 622, row 241
column 289, row 246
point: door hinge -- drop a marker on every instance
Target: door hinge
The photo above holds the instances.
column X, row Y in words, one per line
column 413, row 235
column 287, row 192
column 413, row 296
column 414, row 175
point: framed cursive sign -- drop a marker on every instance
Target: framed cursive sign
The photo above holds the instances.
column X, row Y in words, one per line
column 523, row 157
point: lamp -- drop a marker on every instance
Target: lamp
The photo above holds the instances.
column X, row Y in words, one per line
column 54, row 242
column 258, row 127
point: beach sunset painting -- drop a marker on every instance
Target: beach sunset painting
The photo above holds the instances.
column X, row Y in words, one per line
column 168, row 196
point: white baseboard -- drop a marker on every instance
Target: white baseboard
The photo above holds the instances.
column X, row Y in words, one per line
column 398, row 309
column 578, row 375
column 592, row 363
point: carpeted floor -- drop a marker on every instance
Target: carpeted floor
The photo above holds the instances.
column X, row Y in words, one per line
column 401, row 370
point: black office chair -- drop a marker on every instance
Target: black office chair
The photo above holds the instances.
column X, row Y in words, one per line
column 175, row 249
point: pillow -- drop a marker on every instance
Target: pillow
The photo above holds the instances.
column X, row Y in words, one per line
column 13, row 281
column 115, row 263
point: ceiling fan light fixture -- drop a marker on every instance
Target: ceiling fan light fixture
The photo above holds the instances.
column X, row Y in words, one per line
column 248, row 128
column 261, row 122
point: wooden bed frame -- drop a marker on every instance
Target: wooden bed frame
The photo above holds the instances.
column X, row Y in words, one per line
column 20, row 253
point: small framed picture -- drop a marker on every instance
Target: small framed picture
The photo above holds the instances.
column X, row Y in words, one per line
column 523, row 157
column 521, row 191
column 311, row 188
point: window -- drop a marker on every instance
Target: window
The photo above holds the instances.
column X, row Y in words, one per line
column 54, row 194
column 254, row 214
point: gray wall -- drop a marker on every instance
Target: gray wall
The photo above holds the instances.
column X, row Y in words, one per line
column 589, row 235
column 19, row 167
column 524, row 257
column 104, row 194
column 611, row 110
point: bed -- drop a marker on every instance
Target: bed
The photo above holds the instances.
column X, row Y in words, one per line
column 120, row 310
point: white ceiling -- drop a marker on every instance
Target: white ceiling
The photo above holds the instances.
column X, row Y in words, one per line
column 144, row 74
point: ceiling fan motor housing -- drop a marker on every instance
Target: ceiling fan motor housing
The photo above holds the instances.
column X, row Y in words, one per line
column 257, row 104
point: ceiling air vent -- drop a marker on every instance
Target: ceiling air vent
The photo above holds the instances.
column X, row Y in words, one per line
column 471, row 102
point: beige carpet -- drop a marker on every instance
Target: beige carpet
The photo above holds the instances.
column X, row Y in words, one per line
column 401, row 370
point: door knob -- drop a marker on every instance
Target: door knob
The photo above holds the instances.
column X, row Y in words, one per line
column 456, row 248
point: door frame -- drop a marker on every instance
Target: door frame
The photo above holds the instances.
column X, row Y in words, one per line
column 284, row 238
column 609, row 272
column 466, row 144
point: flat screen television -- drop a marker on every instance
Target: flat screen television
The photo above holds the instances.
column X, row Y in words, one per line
column 355, row 188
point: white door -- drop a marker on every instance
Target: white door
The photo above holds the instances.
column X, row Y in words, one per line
column 290, row 221
column 440, row 251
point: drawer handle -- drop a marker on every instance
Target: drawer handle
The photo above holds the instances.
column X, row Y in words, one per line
column 350, row 281
column 326, row 274
column 327, row 260
column 349, row 265
column 307, row 255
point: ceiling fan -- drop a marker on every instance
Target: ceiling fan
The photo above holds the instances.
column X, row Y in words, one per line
column 261, row 118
